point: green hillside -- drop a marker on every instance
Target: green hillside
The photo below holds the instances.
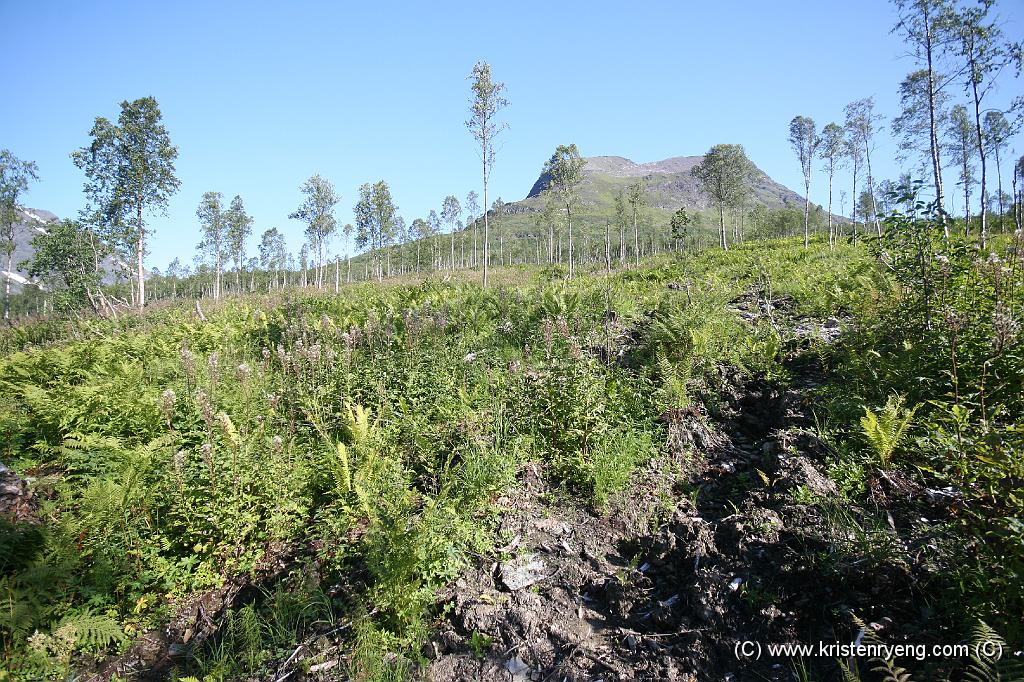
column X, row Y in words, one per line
column 667, row 186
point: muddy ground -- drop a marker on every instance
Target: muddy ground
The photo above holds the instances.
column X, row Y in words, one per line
column 733, row 536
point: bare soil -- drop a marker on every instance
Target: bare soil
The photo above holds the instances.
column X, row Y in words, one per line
column 708, row 548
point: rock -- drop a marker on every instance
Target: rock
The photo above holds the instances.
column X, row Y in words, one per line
column 942, row 496
column 522, row 572
column 517, row 668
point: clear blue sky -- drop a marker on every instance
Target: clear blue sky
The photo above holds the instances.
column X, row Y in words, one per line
column 260, row 95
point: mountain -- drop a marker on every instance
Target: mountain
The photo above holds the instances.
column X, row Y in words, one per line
column 668, row 186
column 30, row 222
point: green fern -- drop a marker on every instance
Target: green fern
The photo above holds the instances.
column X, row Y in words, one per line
column 849, row 674
column 994, row 666
column 887, row 668
column 357, row 423
column 92, row 630
column 886, row 430
column 890, row 672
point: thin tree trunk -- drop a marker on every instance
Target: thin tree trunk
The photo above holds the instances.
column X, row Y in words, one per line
column 721, row 227
column 607, row 247
column 636, row 238
column 871, row 187
column 7, row 284
column 999, row 189
column 140, row 254
column 831, row 232
column 1016, row 208
column 487, row 224
column 933, row 133
column 807, row 207
column 569, row 214
column 622, row 245
column 981, row 154
column 853, row 210
column 967, row 195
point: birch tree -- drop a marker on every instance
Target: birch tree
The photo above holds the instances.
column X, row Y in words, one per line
column 984, row 53
column 637, row 200
column 997, row 132
column 434, row 223
column 922, row 25
column 861, row 122
column 15, row 176
column 486, row 103
column 450, row 212
column 472, row 211
column 962, row 147
column 1018, row 193
column 62, row 257
column 317, row 211
column 621, row 204
column 723, row 175
column 803, row 138
column 273, row 253
column 375, row 214
column 129, row 170
column 239, row 227
column 419, row 230
column 565, row 168
column 214, row 231
column 855, row 155
column 831, row 151
column 921, row 109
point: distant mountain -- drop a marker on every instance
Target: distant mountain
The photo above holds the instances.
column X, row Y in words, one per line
column 669, row 184
column 31, row 221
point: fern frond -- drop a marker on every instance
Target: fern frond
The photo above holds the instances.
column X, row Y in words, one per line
column 889, row 671
column 986, row 664
column 93, row 630
column 357, row 423
column 885, row 430
column 848, row 674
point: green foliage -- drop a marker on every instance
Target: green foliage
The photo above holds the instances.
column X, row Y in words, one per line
column 129, row 169
column 886, row 430
column 379, row 425
column 941, row 333
column 724, row 176
column 15, row 176
column 65, row 257
column 680, row 224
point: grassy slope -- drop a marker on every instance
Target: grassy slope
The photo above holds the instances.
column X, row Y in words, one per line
column 171, row 453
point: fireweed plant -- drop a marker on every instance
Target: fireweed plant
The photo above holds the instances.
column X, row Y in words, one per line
column 363, row 439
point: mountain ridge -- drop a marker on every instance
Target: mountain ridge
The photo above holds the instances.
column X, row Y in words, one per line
column 668, row 186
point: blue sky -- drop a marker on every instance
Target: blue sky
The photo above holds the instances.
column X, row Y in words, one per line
column 260, row 95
